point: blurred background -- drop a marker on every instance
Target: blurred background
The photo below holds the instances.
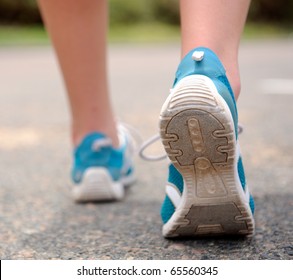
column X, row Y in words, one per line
column 141, row 20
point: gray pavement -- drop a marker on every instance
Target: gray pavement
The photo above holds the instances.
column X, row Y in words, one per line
column 38, row 218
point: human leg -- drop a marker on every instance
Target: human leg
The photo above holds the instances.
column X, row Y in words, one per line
column 206, row 193
column 78, row 30
column 216, row 25
column 102, row 163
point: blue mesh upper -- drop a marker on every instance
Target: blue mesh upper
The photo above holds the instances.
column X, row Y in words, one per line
column 106, row 156
column 167, row 209
column 175, row 178
column 241, row 173
column 251, row 204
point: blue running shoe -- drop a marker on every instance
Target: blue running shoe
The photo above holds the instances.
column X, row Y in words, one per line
column 100, row 172
column 206, row 193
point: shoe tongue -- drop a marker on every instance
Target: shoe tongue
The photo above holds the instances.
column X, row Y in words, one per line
column 201, row 61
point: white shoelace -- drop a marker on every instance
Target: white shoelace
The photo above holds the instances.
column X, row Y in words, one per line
column 148, row 143
column 133, row 137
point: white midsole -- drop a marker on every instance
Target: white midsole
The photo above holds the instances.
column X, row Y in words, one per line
column 98, row 185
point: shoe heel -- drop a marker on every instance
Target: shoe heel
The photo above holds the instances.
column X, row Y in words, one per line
column 97, row 185
column 198, row 134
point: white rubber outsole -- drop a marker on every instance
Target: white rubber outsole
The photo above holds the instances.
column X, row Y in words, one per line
column 198, row 134
column 97, row 185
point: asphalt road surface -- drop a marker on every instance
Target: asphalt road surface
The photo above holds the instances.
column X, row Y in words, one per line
column 38, row 217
